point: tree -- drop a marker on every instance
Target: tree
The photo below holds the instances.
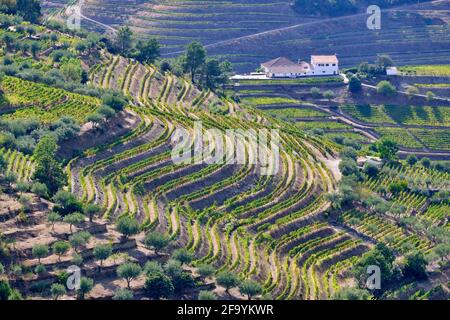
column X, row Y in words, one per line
column 352, row 294
column 329, row 95
column 115, row 101
column 30, row 10
column 425, row 162
column 442, row 250
column 348, row 167
column 57, row 290
column 92, row 210
column 123, row 294
column 415, row 266
column 250, row 288
column 35, row 49
column 75, row 218
column 194, row 58
column 411, row 91
column 40, row 251
column 129, row 271
column 60, row 248
column 79, row 240
column 205, row 270
column 95, row 119
column 86, row 286
column 182, row 255
column 102, row 252
column 52, row 218
column 385, row 88
column 48, row 170
column 388, row 149
column 72, row 70
column 5, row 290
column 227, row 280
column 127, row 226
column 384, row 61
column 157, row 241
column 212, row 73
column 39, row 189
column 380, row 256
column 430, row 96
column 124, row 40
column 371, row 170
column 66, row 203
column 206, row 295
column 315, row 92
column 411, row 159
column 149, row 51
column 158, row 285
column 354, row 84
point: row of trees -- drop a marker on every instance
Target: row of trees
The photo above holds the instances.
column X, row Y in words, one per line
column 30, row 10
column 208, row 72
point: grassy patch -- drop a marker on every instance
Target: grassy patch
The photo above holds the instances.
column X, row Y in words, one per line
column 400, row 136
column 426, row 70
column 367, row 113
column 420, row 115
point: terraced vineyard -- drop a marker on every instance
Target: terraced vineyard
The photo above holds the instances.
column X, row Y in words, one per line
column 237, row 29
column 44, row 103
column 228, row 215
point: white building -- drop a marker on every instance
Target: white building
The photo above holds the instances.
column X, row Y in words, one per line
column 391, row 71
column 282, row 68
column 325, row 65
column 285, row 68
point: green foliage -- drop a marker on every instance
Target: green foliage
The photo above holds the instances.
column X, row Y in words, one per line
column 127, row 226
column 60, row 248
column 385, row 88
column 75, row 218
column 148, row 52
column 206, row 295
column 129, row 271
column 380, row 256
column 352, row 294
column 387, row 149
column 250, row 288
column 123, row 294
column 40, row 251
column 157, row 241
column 48, row 171
column 124, row 40
column 182, row 255
column 227, row 280
column 102, row 252
column 194, row 58
column 415, row 266
column 158, row 285
column 86, row 286
column 66, row 203
column 79, row 239
column 5, row 290
column 354, row 84
column 57, row 290
column 91, row 210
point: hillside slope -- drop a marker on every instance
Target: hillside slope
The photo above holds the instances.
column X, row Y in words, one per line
column 249, row 32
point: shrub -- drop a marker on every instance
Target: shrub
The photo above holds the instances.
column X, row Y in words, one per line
column 385, row 88
column 206, row 295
